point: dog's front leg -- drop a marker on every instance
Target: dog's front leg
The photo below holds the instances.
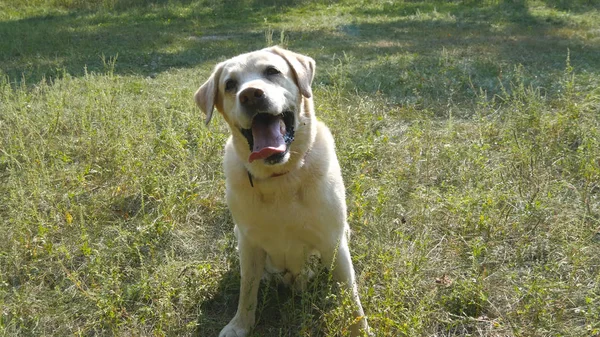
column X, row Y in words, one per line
column 252, row 264
column 343, row 272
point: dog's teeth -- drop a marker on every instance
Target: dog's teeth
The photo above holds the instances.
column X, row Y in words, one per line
column 282, row 126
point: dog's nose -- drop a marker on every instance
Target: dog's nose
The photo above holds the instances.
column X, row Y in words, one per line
column 252, row 98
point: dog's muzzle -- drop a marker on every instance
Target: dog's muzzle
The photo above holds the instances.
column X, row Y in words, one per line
column 270, row 133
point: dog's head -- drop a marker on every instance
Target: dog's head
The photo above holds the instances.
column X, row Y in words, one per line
column 262, row 97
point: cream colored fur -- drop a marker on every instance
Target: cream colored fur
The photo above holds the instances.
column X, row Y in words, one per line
column 296, row 207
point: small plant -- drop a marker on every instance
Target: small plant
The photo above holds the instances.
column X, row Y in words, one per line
column 283, row 39
column 464, row 297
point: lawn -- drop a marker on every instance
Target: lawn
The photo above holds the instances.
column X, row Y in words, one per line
column 468, row 134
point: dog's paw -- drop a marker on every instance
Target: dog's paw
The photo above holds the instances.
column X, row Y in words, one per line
column 302, row 280
column 234, row 330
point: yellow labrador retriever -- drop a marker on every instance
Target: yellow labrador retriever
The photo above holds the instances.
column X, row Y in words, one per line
column 283, row 181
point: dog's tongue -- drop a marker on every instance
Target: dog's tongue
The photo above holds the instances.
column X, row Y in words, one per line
column 267, row 131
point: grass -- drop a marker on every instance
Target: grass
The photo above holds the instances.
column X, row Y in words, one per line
column 468, row 133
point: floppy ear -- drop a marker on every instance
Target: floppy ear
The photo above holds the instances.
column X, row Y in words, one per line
column 303, row 67
column 206, row 96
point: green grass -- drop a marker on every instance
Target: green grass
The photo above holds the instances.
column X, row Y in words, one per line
column 468, row 133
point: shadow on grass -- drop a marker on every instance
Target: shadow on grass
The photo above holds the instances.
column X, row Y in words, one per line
column 149, row 39
column 216, row 312
column 281, row 311
column 576, row 6
column 142, row 40
column 436, row 52
column 133, row 36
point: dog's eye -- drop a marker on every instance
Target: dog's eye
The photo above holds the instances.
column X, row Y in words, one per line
column 230, row 85
column 270, row 71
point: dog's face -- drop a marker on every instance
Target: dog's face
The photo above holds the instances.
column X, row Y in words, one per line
column 260, row 95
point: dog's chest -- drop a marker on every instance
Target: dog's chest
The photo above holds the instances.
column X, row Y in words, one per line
column 283, row 222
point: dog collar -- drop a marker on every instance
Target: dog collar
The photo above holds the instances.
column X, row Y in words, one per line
column 272, row 176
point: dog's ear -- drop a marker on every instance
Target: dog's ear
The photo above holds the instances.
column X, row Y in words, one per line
column 206, row 96
column 303, row 67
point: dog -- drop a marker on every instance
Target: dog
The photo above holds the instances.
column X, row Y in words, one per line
column 284, row 185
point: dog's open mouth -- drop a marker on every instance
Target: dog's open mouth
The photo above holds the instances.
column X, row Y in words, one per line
column 270, row 136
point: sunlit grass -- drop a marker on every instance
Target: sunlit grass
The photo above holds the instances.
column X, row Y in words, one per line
column 468, row 135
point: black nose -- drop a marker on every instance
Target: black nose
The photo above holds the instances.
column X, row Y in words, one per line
column 253, row 98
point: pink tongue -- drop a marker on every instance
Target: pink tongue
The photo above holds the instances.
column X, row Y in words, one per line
column 268, row 137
